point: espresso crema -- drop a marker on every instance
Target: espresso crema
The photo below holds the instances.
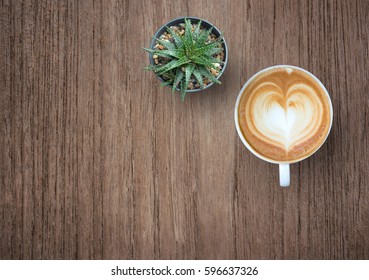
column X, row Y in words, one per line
column 284, row 114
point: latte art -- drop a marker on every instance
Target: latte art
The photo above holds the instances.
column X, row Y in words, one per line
column 285, row 118
column 284, row 114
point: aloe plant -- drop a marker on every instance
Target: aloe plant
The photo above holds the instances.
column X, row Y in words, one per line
column 188, row 55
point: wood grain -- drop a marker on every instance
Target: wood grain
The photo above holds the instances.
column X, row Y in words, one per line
column 100, row 162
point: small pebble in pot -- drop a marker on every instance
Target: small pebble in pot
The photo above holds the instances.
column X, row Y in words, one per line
column 214, row 72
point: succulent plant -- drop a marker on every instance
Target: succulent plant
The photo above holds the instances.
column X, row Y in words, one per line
column 186, row 56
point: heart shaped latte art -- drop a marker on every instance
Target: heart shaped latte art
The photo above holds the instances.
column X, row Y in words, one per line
column 284, row 116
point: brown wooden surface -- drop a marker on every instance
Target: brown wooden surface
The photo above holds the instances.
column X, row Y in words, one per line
column 97, row 161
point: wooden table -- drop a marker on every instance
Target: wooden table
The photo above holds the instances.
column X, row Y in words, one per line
column 100, row 162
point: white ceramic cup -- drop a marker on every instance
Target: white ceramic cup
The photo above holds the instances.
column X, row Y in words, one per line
column 284, row 167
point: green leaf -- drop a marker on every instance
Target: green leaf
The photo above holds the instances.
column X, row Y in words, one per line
column 188, row 38
column 214, row 51
column 170, row 53
column 172, row 64
column 177, row 79
column 198, row 77
column 166, row 43
column 158, row 52
column 177, row 39
column 203, row 37
column 203, row 61
column 196, row 33
column 150, row 68
column 168, row 76
column 183, row 89
column 211, row 59
column 207, row 48
column 205, row 72
column 189, row 70
column 149, row 50
column 166, row 83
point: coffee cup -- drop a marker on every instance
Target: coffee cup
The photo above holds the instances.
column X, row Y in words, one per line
column 283, row 115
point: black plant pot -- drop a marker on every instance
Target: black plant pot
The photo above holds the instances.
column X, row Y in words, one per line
column 206, row 25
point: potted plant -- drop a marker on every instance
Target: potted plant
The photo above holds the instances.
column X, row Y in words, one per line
column 188, row 54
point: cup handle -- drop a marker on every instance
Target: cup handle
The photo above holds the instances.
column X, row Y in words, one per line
column 284, row 175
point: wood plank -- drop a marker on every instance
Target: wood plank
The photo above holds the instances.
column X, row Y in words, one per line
column 100, row 162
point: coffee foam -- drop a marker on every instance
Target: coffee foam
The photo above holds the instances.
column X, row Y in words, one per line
column 284, row 114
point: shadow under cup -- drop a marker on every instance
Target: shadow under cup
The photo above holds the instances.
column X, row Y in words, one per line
column 278, row 110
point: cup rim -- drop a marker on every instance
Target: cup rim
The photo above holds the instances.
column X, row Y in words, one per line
column 240, row 134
